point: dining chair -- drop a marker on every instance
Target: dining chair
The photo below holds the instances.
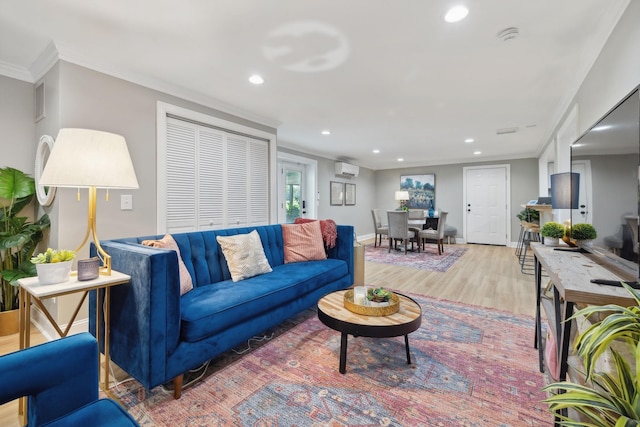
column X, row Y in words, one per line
column 399, row 229
column 436, row 235
column 379, row 229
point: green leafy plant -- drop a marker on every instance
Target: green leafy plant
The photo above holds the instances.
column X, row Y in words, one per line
column 583, row 232
column 529, row 215
column 18, row 236
column 608, row 399
column 52, row 256
column 552, row 229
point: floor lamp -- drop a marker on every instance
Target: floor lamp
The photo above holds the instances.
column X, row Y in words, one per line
column 83, row 158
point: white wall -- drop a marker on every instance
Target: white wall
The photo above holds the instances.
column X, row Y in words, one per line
column 17, row 127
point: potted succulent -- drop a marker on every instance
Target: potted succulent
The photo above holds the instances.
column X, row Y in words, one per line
column 552, row 233
column 607, row 399
column 53, row 265
column 583, row 234
column 378, row 296
column 18, row 239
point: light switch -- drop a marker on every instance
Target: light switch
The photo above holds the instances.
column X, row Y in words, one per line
column 126, row 202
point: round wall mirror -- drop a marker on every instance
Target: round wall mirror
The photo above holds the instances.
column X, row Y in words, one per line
column 45, row 194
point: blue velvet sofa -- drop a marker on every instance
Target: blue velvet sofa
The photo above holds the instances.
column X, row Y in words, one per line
column 60, row 380
column 157, row 335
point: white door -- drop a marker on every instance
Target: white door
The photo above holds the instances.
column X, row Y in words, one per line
column 292, row 190
column 486, row 204
column 583, row 213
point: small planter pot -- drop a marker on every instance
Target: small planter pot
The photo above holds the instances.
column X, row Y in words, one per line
column 551, row 241
column 584, row 243
column 9, row 322
column 57, row 272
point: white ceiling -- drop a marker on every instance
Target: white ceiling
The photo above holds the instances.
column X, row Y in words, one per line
column 380, row 74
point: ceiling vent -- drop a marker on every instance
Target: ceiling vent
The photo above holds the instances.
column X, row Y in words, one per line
column 509, row 33
column 347, row 169
column 505, row 131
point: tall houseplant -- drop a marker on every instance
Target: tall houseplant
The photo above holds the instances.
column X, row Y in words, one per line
column 608, row 399
column 18, row 236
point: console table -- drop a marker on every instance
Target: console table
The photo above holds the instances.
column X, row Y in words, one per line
column 570, row 273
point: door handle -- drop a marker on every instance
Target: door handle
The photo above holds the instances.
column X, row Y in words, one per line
column 304, row 204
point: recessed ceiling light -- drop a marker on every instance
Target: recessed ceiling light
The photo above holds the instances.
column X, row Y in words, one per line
column 326, row 132
column 400, row 159
column 477, row 152
column 256, row 79
column 376, row 151
column 456, row 13
column 468, row 140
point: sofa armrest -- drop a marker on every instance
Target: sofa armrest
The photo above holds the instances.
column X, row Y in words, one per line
column 58, row 377
column 344, row 247
column 145, row 313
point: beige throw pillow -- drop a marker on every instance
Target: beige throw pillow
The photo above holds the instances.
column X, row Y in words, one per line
column 168, row 242
column 303, row 242
column 245, row 255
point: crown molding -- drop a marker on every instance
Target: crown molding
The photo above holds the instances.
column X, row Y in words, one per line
column 15, row 72
column 44, row 62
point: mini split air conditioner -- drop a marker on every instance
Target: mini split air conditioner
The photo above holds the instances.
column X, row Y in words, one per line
column 346, row 169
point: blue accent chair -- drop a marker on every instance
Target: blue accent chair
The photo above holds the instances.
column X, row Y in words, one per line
column 60, row 381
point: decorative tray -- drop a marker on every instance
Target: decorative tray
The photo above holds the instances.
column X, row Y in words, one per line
column 393, row 307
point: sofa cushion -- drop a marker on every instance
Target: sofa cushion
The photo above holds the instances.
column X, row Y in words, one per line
column 167, row 242
column 209, row 309
column 244, row 254
column 303, row 242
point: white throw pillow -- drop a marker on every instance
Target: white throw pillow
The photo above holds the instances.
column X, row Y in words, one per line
column 245, row 255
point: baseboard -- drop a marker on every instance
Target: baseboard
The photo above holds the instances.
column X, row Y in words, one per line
column 365, row 237
column 40, row 321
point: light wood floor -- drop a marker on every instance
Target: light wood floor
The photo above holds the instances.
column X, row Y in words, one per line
column 487, row 276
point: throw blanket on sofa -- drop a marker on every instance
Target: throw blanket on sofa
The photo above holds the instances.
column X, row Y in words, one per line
column 328, row 227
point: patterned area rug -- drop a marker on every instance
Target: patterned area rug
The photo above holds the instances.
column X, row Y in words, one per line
column 424, row 260
column 471, row 367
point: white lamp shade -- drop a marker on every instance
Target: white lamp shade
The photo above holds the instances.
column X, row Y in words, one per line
column 402, row 195
column 89, row 158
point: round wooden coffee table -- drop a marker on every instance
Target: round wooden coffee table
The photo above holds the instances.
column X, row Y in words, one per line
column 332, row 312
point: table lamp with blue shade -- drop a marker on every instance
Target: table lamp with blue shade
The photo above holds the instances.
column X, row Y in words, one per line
column 83, row 158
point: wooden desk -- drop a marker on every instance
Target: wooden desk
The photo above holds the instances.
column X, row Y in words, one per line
column 570, row 273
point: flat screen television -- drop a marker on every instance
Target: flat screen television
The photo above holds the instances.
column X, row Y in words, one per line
column 608, row 158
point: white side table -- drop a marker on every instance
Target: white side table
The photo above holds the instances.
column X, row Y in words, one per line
column 32, row 291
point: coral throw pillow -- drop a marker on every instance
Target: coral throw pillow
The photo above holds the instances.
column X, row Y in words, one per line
column 168, row 242
column 303, row 242
column 245, row 255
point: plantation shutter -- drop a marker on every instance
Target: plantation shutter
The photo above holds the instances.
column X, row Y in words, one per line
column 181, row 176
column 214, row 179
column 258, row 186
column 210, row 179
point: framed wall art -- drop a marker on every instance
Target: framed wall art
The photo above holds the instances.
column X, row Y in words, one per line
column 336, row 192
column 349, row 194
column 422, row 190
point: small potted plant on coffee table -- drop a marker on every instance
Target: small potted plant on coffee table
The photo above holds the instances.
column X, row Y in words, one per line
column 378, row 296
column 552, row 232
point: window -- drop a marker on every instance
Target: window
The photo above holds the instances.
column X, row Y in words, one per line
column 210, row 177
